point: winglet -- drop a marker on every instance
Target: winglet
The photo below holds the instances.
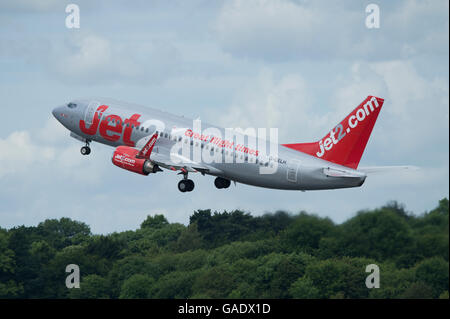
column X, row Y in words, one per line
column 148, row 147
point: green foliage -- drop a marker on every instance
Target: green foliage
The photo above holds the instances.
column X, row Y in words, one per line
column 382, row 235
column 305, row 232
column 418, row 290
column 155, row 222
column 176, row 284
column 137, row 287
column 234, row 255
column 304, row 288
column 91, row 287
column 190, row 239
column 434, row 273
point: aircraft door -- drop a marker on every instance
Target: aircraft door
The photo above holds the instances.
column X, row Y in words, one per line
column 292, row 171
column 90, row 110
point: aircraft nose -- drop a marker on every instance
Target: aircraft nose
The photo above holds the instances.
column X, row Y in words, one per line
column 58, row 112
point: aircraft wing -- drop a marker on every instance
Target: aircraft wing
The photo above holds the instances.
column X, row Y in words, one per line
column 174, row 161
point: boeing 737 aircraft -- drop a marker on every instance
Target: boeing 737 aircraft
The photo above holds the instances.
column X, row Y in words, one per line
column 148, row 140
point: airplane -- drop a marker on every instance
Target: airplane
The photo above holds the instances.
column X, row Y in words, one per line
column 148, row 140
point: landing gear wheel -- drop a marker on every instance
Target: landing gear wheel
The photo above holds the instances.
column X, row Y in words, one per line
column 182, row 186
column 85, row 150
column 220, row 182
column 190, row 185
column 185, row 185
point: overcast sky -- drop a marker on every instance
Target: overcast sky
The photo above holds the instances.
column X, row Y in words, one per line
column 300, row 66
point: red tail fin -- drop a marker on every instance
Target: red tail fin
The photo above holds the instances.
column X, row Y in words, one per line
column 345, row 144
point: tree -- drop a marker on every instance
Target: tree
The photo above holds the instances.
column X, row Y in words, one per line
column 303, row 288
column 216, row 282
column 305, row 232
column 154, row 222
column 418, row 290
column 8, row 287
column 434, row 273
column 105, row 247
column 177, row 284
column 91, row 287
column 190, row 239
column 63, row 232
column 125, row 268
column 137, row 287
column 380, row 234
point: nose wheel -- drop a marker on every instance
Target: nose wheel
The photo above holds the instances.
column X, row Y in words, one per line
column 185, row 185
column 85, row 150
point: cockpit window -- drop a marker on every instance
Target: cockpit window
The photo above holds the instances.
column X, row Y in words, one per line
column 71, row 105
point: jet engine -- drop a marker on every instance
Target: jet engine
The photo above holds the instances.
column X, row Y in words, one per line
column 126, row 157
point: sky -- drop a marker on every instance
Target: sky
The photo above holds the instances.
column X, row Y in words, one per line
column 299, row 66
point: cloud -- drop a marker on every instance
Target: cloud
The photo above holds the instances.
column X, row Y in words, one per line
column 280, row 30
column 300, row 66
column 31, row 5
column 89, row 58
column 19, row 154
column 33, row 155
column 414, row 119
column 268, row 101
column 415, row 115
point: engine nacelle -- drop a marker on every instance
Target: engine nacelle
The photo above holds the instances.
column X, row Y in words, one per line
column 125, row 157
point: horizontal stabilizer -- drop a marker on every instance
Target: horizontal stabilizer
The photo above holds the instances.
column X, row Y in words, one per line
column 386, row 169
column 332, row 172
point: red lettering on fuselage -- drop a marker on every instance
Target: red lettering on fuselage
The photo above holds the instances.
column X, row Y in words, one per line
column 106, row 126
column 111, row 124
column 129, row 124
column 94, row 125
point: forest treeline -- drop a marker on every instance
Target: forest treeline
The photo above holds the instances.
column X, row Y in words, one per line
column 234, row 255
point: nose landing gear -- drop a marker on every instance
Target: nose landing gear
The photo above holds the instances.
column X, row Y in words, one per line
column 85, row 150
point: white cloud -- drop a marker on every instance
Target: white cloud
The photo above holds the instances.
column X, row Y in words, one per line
column 270, row 102
column 41, row 153
column 280, row 30
column 89, row 58
column 20, row 154
column 300, row 66
column 414, row 119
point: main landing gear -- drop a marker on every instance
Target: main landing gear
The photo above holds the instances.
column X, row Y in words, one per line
column 220, row 182
column 186, row 185
column 85, row 150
